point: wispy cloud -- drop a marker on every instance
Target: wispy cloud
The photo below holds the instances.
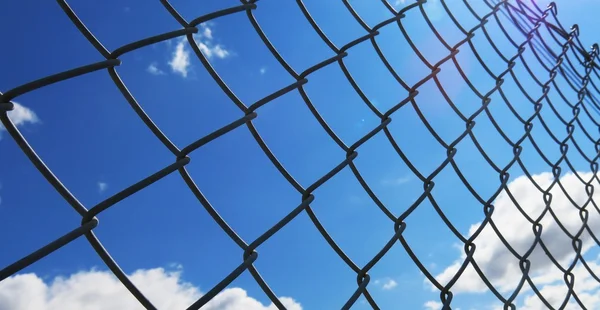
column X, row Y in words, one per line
column 398, row 3
column 386, row 284
column 101, row 290
column 102, row 186
column 207, row 45
column 180, row 59
column 433, row 305
column 389, row 284
column 396, row 181
column 20, row 115
column 211, row 51
column 153, row 69
column 206, row 31
column 263, row 70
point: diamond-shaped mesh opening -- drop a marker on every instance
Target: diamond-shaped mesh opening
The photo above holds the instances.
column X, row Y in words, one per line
column 487, row 108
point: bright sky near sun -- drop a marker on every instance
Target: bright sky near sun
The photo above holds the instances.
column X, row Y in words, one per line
column 89, row 136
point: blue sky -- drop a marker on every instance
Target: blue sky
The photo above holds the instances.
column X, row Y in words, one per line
column 93, row 141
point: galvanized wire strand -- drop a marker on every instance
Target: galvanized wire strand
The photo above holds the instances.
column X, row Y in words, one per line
column 527, row 17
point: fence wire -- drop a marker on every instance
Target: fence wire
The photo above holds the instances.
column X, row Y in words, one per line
column 527, row 16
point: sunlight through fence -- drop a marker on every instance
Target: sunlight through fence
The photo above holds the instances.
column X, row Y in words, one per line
column 528, row 18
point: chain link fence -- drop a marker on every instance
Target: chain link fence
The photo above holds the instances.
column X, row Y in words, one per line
column 527, row 16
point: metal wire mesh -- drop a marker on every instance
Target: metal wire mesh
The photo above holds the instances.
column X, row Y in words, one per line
column 527, row 16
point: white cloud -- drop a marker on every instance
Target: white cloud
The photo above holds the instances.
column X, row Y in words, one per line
column 502, row 268
column 263, row 70
column 586, row 288
column 206, row 44
column 210, row 50
column 206, row 31
column 102, row 186
column 153, row 69
column 433, row 305
column 386, row 284
column 389, row 284
column 100, row 290
column 180, row 60
column 20, row 115
column 398, row 3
